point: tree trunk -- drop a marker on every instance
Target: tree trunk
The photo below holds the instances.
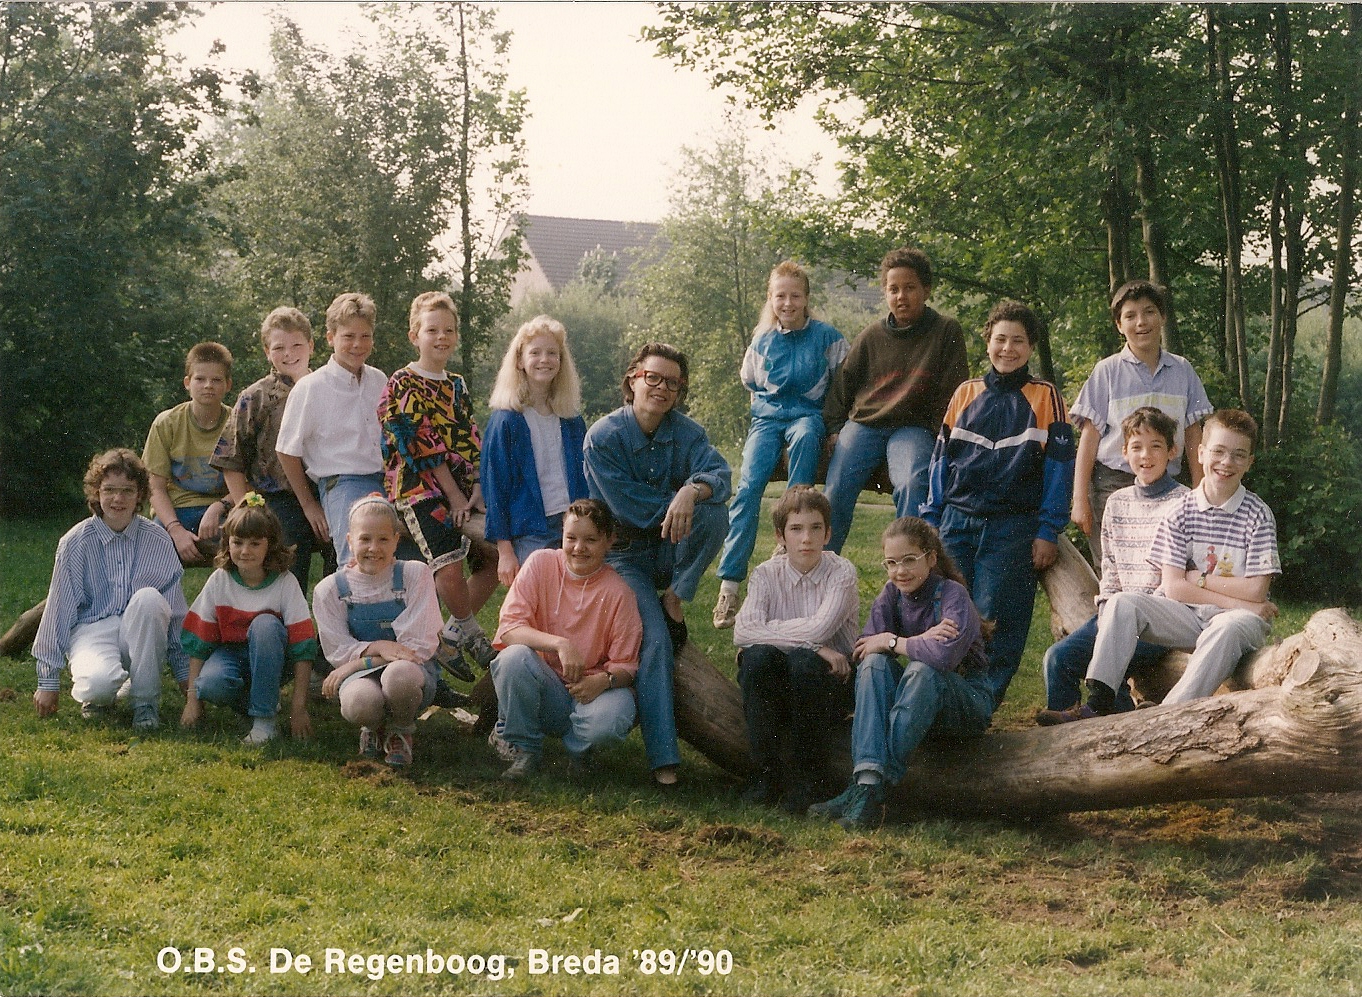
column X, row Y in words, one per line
column 1155, row 247
column 1302, row 736
column 1116, row 216
column 19, row 638
column 468, row 340
column 1227, row 169
column 1347, row 215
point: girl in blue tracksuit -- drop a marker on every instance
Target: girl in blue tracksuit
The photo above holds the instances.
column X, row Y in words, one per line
column 787, row 369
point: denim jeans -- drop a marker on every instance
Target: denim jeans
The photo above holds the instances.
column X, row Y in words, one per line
column 647, row 566
column 550, row 539
column 247, row 674
column 994, row 555
column 860, row 450
column 532, row 701
column 760, row 453
column 1066, row 664
column 337, row 494
column 791, row 700
column 897, row 706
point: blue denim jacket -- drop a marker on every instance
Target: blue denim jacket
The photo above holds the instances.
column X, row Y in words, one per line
column 637, row 475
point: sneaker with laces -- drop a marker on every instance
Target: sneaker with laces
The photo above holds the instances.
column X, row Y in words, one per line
column 504, row 749
column 449, row 656
column 370, row 744
column 525, row 764
column 865, row 809
column 480, row 648
column 726, row 611
column 397, row 748
column 834, row 807
column 145, row 716
column 93, row 711
column 1053, row 718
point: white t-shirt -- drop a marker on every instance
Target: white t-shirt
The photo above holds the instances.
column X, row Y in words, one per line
column 546, row 439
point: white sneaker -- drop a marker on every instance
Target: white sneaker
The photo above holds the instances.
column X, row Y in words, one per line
column 725, row 611
column 504, row 749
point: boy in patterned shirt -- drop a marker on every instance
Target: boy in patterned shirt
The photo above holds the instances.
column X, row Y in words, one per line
column 1217, row 555
column 431, row 448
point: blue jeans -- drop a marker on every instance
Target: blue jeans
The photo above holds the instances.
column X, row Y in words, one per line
column 532, row 701
column 337, row 494
column 648, row 565
column 859, row 451
column 897, row 706
column 760, row 453
column 247, row 674
column 550, row 539
column 1066, row 665
column 994, row 555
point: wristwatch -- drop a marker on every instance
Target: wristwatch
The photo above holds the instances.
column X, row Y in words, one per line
column 1201, row 581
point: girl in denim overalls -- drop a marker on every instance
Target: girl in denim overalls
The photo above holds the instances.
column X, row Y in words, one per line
column 379, row 618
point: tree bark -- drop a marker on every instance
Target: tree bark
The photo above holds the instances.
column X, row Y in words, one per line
column 1155, row 246
column 1347, row 216
column 19, row 638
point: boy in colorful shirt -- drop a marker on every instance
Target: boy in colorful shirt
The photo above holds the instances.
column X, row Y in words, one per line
column 1001, row 478
column 431, row 450
column 1143, row 373
column 1217, row 555
column 245, row 453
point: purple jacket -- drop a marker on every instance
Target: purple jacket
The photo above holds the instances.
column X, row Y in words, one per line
column 910, row 615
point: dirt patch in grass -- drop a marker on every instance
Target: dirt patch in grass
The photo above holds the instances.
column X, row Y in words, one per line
column 8, row 695
column 375, row 772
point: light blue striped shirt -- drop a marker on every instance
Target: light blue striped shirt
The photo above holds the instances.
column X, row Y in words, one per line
column 94, row 577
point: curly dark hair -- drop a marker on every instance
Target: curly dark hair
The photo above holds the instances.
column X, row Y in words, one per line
column 119, row 460
column 1008, row 310
column 906, row 256
column 667, row 352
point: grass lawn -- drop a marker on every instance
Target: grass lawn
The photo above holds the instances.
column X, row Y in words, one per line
column 122, row 855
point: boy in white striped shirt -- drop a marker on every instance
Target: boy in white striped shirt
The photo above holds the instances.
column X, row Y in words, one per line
column 796, row 631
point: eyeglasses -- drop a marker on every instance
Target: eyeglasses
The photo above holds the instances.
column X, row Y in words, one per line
column 108, row 491
column 907, row 561
column 656, row 380
column 1233, row 456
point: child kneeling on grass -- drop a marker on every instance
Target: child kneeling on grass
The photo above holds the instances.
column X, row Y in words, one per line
column 569, row 637
column 379, row 623
column 924, row 613
column 249, row 619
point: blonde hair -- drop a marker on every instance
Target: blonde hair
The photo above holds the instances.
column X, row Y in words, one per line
column 512, row 388
column 785, row 268
column 350, row 305
column 285, row 318
column 430, row 301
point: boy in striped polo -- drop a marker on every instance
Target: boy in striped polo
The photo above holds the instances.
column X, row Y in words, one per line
column 1217, row 555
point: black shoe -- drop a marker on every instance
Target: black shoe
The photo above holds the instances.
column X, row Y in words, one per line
column 799, row 798
column 447, row 698
column 676, row 630
column 761, row 789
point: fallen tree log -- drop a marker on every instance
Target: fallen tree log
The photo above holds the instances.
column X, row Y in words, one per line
column 19, row 638
column 1304, row 735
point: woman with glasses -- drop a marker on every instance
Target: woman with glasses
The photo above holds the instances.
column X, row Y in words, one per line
column 667, row 487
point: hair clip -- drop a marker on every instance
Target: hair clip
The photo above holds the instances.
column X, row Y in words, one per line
column 254, row 500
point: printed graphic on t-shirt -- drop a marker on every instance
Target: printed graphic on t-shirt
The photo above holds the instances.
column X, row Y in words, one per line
column 1219, row 559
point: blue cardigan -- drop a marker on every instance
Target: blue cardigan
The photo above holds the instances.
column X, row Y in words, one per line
column 510, row 483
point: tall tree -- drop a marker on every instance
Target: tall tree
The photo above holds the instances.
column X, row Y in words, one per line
column 102, row 176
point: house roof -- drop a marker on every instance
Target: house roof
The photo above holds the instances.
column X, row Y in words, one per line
column 559, row 244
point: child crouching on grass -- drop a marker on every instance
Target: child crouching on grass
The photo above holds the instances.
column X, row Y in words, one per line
column 925, row 614
column 379, row 623
column 249, row 619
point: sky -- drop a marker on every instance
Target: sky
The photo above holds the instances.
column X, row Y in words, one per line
column 608, row 118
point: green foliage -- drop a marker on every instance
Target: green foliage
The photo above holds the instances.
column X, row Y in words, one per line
column 102, row 242
column 1313, row 484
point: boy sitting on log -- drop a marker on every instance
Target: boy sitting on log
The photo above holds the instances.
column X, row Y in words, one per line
column 1133, row 515
column 1217, row 555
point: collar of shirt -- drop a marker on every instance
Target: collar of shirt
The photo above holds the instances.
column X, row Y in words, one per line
column 107, row 535
column 337, row 369
column 1230, row 505
column 926, row 592
column 1128, row 355
column 923, row 322
column 1158, row 488
column 639, row 440
column 815, row 575
column 1011, row 381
